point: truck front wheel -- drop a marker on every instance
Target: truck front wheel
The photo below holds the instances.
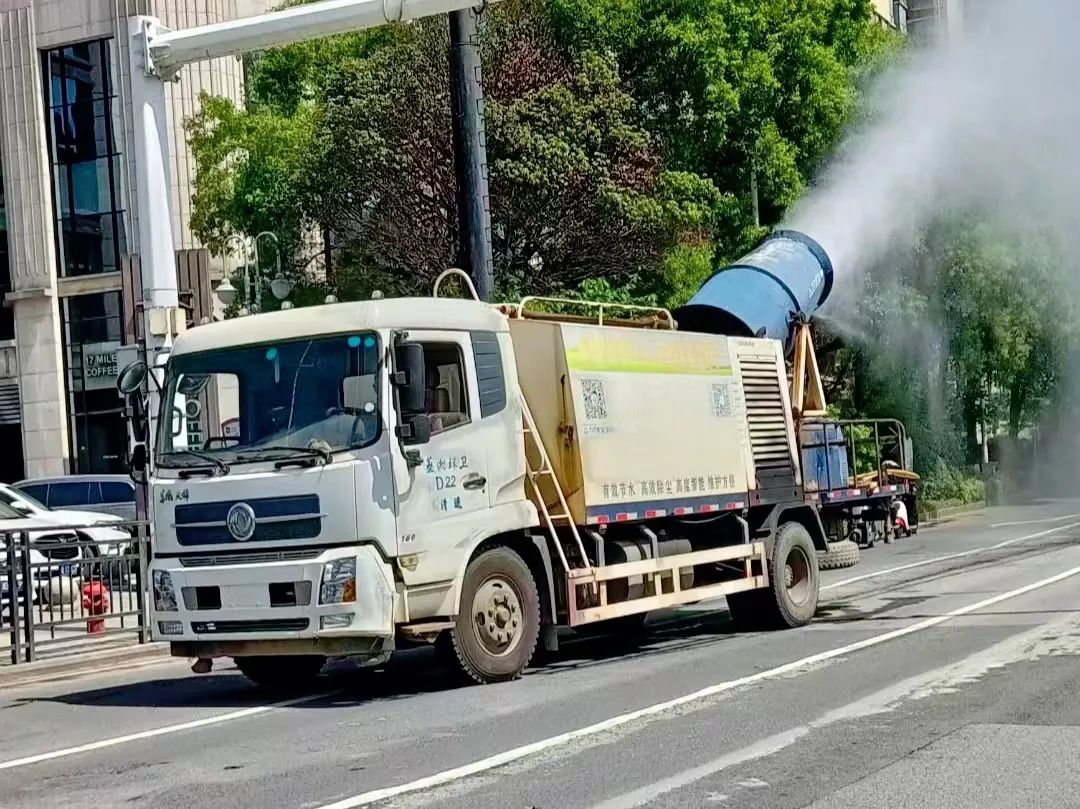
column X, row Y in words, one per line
column 498, row 623
column 283, row 672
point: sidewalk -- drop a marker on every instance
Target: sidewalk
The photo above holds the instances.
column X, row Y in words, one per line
column 101, row 656
column 61, row 652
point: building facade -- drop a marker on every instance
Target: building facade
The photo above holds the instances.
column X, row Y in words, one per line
column 892, row 13
column 68, row 217
column 935, row 21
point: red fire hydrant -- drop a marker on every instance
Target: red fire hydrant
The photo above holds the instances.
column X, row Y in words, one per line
column 95, row 601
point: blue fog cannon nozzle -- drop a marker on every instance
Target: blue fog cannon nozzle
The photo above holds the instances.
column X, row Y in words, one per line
column 785, row 279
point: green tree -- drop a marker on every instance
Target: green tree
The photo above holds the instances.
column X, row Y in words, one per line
column 365, row 154
column 621, row 138
column 967, row 330
column 737, row 90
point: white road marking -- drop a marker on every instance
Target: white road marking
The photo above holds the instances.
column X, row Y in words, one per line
column 562, row 739
column 948, row 556
column 762, row 749
column 162, row 731
column 1062, row 518
column 1029, row 645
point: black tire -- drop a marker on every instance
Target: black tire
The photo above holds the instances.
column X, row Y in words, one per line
column 792, row 598
column 839, row 555
column 499, row 600
column 788, row 602
column 283, row 672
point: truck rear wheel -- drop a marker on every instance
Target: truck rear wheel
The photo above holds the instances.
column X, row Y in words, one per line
column 792, row 597
column 282, row 672
column 498, row 623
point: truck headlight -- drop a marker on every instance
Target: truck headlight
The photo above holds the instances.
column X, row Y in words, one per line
column 164, row 593
column 338, row 582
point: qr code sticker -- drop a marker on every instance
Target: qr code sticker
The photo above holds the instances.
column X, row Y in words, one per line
column 721, row 401
column 592, row 392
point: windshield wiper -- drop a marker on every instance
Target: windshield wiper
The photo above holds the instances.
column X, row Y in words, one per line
column 218, row 464
column 304, row 452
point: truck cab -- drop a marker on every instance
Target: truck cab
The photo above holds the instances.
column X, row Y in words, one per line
column 321, row 476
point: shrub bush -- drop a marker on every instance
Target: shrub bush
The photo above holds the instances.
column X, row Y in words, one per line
column 949, row 484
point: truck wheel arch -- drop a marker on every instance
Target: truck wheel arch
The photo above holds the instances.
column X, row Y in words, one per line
column 533, row 549
column 800, row 513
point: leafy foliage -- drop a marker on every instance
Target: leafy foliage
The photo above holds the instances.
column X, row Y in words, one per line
column 736, row 88
column 621, row 139
column 966, row 334
column 946, row 484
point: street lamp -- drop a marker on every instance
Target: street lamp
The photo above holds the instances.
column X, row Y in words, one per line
column 226, row 292
column 280, row 286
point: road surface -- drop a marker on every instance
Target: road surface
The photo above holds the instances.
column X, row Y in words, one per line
column 942, row 671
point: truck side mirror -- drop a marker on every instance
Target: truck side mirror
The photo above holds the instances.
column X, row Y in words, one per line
column 415, row 429
column 138, row 458
column 139, row 425
column 131, row 379
column 409, row 376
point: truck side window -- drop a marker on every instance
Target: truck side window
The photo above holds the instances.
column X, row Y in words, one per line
column 447, row 398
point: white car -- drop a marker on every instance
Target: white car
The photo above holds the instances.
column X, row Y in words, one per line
column 95, row 526
column 54, row 552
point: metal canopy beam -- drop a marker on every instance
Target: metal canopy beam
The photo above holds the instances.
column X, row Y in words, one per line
column 171, row 50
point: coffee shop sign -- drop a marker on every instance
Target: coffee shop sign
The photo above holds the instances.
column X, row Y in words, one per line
column 101, row 365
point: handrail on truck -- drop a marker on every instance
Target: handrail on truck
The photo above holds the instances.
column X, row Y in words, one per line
column 457, row 273
column 661, row 318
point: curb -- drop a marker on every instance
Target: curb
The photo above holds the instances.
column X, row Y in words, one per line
column 948, row 514
column 82, row 665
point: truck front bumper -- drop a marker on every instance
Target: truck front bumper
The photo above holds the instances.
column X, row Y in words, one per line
column 274, row 607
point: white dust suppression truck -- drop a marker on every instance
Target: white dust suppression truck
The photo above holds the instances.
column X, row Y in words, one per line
column 350, row 479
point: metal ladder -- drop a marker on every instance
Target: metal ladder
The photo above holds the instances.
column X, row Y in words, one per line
column 545, row 469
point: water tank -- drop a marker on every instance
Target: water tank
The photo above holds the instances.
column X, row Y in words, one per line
column 787, row 275
column 824, row 457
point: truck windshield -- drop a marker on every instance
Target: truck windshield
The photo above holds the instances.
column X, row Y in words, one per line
column 270, row 400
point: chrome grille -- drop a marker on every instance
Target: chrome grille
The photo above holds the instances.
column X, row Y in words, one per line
column 249, row 558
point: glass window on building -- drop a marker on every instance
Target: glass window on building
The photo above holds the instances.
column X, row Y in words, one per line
column 92, row 335
column 82, row 128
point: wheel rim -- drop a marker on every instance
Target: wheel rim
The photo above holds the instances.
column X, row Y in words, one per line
column 797, row 576
column 497, row 615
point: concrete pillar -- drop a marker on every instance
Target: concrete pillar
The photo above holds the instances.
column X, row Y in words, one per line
column 23, row 149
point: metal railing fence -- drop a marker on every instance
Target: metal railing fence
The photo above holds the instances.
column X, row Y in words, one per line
column 60, row 585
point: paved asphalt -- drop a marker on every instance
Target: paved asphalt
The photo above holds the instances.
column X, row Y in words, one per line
column 948, row 683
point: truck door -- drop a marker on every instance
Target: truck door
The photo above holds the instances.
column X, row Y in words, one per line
column 449, row 490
